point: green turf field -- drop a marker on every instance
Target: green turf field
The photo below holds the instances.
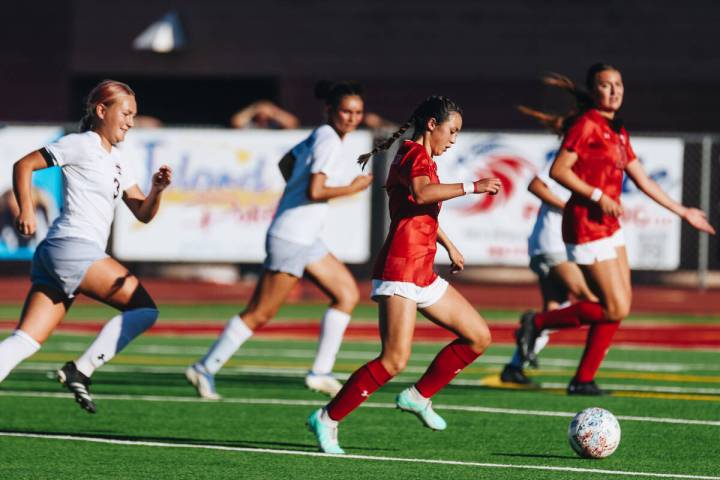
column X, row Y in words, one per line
column 150, row 425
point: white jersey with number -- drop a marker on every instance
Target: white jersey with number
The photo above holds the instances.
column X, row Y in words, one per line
column 93, row 182
column 299, row 219
column 546, row 236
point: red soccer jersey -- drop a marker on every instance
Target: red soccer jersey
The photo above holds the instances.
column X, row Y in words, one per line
column 603, row 155
column 409, row 250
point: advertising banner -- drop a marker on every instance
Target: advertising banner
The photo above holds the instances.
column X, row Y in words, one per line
column 16, row 142
column 226, row 186
column 493, row 230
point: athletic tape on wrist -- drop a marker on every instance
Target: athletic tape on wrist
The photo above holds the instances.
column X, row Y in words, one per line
column 468, row 187
column 596, row 195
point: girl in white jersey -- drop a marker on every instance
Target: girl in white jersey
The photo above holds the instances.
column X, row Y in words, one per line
column 558, row 277
column 72, row 257
column 294, row 246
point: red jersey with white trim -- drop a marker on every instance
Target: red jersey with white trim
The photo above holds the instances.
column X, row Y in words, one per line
column 603, row 155
column 409, row 250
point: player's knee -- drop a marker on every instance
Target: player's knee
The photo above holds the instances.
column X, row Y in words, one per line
column 347, row 298
column 396, row 363
column 618, row 310
column 480, row 340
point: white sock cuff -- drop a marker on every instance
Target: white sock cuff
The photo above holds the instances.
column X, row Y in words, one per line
column 27, row 339
column 337, row 315
column 239, row 328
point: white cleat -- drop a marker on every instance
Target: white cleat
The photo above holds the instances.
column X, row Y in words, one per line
column 203, row 381
column 323, row 383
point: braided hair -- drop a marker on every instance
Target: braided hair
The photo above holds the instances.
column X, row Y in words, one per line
column 560, row 124
column 434, row 106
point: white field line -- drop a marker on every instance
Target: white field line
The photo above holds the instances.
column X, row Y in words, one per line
column 155, row 349
column 320, row 403
column 78, row 438
column 407, row 376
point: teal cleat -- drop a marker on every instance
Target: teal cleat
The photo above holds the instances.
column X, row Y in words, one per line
column 326, row 432
column 410, row 400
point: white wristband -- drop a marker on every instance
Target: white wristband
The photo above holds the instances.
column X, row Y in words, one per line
column 596, row 195
column 468, row 187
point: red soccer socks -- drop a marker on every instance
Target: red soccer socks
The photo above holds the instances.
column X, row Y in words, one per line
column 596, row 347
column 581, row 313
column 450, row 361
column 357, row 389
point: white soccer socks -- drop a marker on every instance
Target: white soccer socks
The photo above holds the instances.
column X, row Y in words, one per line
column 332, row 329
column 235, row 334
column 115, row 336
column 14, row 349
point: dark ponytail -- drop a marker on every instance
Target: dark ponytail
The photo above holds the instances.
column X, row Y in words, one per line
column 332, row 93
column 435, row 106
column 583, row 100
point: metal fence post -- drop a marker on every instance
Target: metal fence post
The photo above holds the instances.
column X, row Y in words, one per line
column 703, row 238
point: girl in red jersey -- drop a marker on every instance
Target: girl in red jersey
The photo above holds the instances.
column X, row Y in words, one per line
column 594, row 155
column 404, row 280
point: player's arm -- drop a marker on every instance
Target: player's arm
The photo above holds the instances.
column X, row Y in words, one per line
column 457, row 259
column 562, row 173
column 538, row 188
column 22, row 187
column 318, row 191
column 142, row 207
column 424, row 192
column 649, row 187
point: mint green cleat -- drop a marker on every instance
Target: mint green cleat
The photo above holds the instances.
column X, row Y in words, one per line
column 326, row 432
column 410, row 400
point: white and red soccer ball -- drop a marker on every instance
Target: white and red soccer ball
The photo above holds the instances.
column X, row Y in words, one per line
column 594, row 433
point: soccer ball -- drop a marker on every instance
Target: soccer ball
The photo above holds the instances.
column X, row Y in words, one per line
column 594, row 433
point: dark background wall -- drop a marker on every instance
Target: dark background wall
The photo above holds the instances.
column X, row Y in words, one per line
column 487, row 55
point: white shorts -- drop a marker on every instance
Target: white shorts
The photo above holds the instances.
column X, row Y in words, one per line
column 542, row 263
column 61, row 263
column 597, row 250
column 290, row 257
column 423, row 296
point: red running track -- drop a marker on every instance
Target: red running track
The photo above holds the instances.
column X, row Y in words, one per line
column 646, row 299
column 676, row 336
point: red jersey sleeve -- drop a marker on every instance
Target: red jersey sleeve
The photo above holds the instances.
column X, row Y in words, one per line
column 416, row 164
column 577, row 136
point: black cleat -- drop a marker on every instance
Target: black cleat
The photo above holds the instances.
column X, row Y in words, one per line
column 525, row 337
column 585, row 388
column 78, row 384
column 513, row 374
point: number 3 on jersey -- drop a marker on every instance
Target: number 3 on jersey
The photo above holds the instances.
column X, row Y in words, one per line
column 116, row 181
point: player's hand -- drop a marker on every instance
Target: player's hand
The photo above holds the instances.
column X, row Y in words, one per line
column 457, row 260
column 25, row 223
column 698, row 220
column 162, row 178
column 610, row 206
column 488, row 185
column 361, row 182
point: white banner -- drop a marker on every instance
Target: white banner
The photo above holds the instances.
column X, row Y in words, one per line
column 15, row 143
column 493, row 230
column 226, row 186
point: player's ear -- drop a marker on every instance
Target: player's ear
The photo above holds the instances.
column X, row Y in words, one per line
column 100, row 111
column 431, row 124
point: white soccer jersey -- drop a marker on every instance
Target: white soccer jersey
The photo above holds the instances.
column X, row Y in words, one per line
column 93, row 182
column 546, row 236
column 298, row 219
